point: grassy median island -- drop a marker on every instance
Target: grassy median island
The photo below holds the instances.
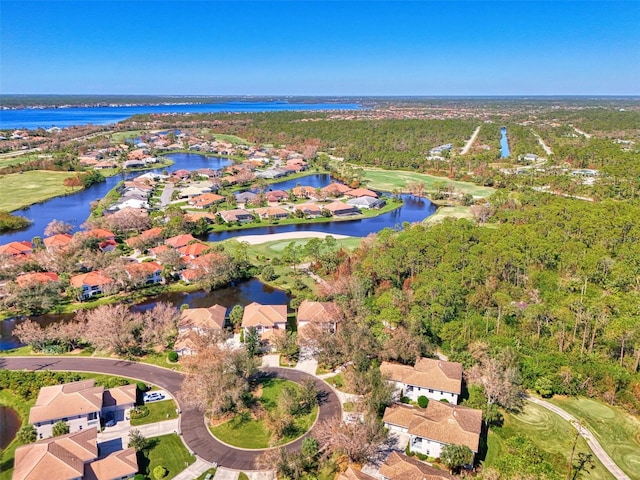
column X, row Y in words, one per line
column 19, row 190
column 152, row 412
column 251, row 429
column 547, row 435
column 617, row 431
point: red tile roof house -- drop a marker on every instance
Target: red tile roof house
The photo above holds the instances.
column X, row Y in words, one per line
column 106, row 237
column 435, row 379
column 148, row 237
column 79, row 404
column 206, row 200
column 360, row 192
column 438, row 425
column 57, row 241
column 39, row 277
column 145, row 273
column 335, row 189
column 265, row 318
column 324, row 315
column 402, row 467
column 275, row 196
column 180, row 240
column 193, row 250
column 90, row 284
column 196, row 268
column 16, row 249
column 72, row 457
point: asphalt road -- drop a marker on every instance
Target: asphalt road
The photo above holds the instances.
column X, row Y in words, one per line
column 195, row 433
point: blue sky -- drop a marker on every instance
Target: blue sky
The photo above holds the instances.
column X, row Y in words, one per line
column 320, row 48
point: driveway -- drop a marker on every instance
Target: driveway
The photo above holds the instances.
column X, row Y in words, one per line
column 194, row 431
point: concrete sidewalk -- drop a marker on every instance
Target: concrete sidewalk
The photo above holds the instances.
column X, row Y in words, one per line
column 194, row 470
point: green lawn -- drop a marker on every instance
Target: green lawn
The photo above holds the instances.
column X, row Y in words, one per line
column 170, row 452
column 9, row 161
column 337, row 381
column 246, row 432
column 158, row 412
column 548, row 432
column 243, row 476
column 19, row 190
column 617, row 431
column 450, row 212
column 120, row 137
column 390, row 180
column 212, row 471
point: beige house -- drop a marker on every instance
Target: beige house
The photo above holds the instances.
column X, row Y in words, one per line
column 432, row 378
column 352, row 474
column 402, row 467
column 72, row 457
column 323, row 315
column 265, row 318
column 79, row 404
column 195, row 322
column 438, row 425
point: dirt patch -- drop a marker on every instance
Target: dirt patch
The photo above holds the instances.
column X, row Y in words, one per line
column 214, row 422
column 257, row 393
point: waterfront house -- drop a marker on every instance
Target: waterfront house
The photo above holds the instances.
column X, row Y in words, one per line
column 193, row 250
column 304, row 192
column 206, row 200
column 90, row 284
column 17, row 249
column 187, row 342
column 366, row 202
column 237, row 215
column 340, row 209
column 402, row 467
column 438, row 425
column 323, row 315
column 271, row 213
column 335, row 189
column 361, row 192
column 145, row 273
column 58, row 241
column 245, row 197
column 275, row 196
column 265, row 318
column 310, row 210
column 432, row 378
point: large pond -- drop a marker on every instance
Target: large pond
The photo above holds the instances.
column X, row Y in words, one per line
column 9, row 426
column 504, row 143
column 242, row 293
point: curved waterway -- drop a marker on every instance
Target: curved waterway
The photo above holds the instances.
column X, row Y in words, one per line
column 9, row 426
column 504, row 143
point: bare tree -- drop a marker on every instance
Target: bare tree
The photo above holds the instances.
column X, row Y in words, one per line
column 128, row 220
column 361, row 441
column 500, row 379
column 112, row 328
column 160, row 324
column 56, row 227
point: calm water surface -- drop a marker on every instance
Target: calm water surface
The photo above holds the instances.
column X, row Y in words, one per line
column 9, row 425
column 504, row 143
column 32, row 118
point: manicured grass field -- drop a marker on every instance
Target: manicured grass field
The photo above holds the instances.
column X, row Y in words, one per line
column 10, row 160
column 245, row 432
column 548, row 432
column 450, row 212
column 212, row 471
column 617, row 431
column 158, row 412
column 170, row 452
column 120, row 137
column 390, row 180
column 19, row 190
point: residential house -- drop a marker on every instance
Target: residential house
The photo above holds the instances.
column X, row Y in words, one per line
column 402, row 467
column 340, row 209
column 153, row 235
column 237, row 215
column 193, row 250
column 180, row 240
column 57, row 241
column 120, row 465
column 197, row 268
column 90, row 284
column 16, row 249
column 438, row 425
column 205, row 200
column 310, row 210
column 187, row 343
column 275, row 196
column 304, row 192
column 323, row 315
column 335, row 189
column 128, row 164
column 245, row 197
column 145, row 273
column 361, row 192
column 105, row 164
column 352, row 474
column 203, row 320
column 27, row 279
column 435, row 379
column 366, row 202
column 272, row 213
column 265, row 318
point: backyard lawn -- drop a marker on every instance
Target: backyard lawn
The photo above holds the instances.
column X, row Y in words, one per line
column 247, row 432
column 546, row 431
column 168, row 451
column 617, row 431
column 19, row 190
column 390, row 180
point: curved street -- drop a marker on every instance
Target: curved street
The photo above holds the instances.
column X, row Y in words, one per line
column 194, row 431
column 591, row 440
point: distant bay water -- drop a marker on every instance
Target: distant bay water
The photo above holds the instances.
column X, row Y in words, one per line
column 32, row 118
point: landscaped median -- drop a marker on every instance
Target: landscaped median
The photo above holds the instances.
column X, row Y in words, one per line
column 278, row 415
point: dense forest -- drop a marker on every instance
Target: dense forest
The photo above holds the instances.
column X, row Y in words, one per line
column 554, row 282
